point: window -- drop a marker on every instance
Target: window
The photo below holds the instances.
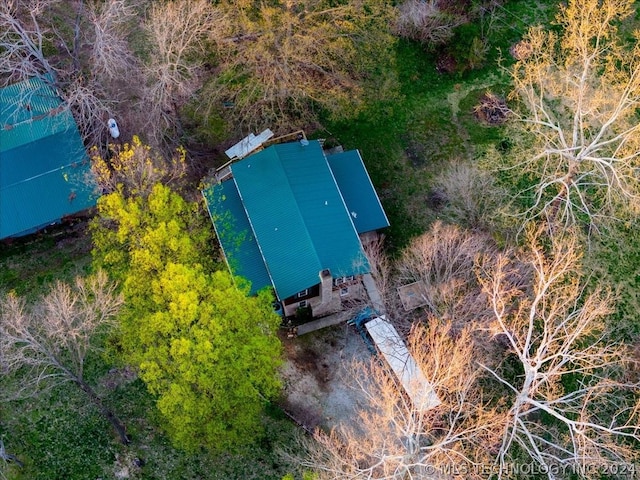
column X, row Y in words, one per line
column 303, row 293
column 341, row 280
column 302, row 304
column 344, row 291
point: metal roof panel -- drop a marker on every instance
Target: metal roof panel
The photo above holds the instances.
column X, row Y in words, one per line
column 235, row 235
column 45, row 199
column 32, row 159
column 278, row 225
column 44, row 170
column 322, row 207
column 358, row 192
column 30, row 110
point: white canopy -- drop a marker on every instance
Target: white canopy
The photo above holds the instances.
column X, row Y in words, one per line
column 402, row 363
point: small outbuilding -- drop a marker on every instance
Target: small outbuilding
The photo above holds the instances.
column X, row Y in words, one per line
column 45, row 172
column 293, row 218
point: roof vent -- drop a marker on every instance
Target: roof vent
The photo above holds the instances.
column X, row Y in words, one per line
column 302, row 139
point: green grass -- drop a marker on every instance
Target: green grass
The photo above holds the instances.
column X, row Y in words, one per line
column 405, row 142
column 59, row 435
column 29, row 264
column 613, row 260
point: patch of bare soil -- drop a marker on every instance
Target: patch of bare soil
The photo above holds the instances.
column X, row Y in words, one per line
column 319, row 390
column 117, row 377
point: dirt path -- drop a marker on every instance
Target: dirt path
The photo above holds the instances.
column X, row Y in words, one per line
column 454, row 98
column 318, row 385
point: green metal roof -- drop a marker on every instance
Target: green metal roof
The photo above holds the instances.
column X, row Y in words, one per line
column 277, row 223
column 30, row 110
column 44, row 169
column 296, row 213
column 235, row 235
column 357, row 190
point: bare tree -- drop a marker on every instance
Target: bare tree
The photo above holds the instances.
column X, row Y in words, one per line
column 178, row 32
column 560, row 395
column 426, row 22
column 90, row 109
column 579, row 100
column 443, row 262
column 48, row 343
column 555, row 331
column 469, row 196
column 22, row 39
column 111, row 55
column 393, row 439
column 381, row 271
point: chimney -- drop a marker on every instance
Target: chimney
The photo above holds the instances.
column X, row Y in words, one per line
column 326, row 286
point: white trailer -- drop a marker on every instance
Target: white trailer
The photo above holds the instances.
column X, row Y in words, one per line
column 404, row 366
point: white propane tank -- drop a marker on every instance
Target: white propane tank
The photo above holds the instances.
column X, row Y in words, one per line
column 113, row 128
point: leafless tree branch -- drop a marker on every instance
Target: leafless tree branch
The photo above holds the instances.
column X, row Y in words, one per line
column 48, row 343
column 579, row 100
column 555, row 330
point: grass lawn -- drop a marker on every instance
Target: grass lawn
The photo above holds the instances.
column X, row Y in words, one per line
column 59, row 435
column 29, row 264
column 406, row 142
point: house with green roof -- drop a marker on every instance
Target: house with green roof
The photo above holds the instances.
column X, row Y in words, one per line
column 292, row 218
column 44, row 168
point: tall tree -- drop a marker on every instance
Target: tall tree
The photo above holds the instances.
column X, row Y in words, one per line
column 48, row 343
column 579, row 93
column 428, row 22
column 572, row 406
column 206, row 349
column 281, row 59
column 179, row 32
column 442, row 262
column 210, row 354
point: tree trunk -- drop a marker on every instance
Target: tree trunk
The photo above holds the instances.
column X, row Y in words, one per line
column 109, row 415
column 7, row 457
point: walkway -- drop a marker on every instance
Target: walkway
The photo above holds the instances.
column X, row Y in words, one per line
column 324, row 322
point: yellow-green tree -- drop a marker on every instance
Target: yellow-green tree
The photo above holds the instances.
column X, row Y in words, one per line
column 210, row 355
column 147, row 232
column 579, row 94
column 207, row 350
column 135, row 168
